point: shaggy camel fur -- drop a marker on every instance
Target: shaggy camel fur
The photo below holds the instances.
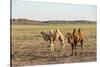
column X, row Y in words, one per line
column 53, row 36
column 74, row 38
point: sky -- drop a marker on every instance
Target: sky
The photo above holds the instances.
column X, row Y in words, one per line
column 44, row 11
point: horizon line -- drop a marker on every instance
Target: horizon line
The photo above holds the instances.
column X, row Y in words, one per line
column 54, row 20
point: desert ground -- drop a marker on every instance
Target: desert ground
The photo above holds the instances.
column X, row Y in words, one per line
column 29, row 48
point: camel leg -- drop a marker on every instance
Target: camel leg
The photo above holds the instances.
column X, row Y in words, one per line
column 52, row 44
column 75, row 48
column 52, row 47
column 62, row 45
column 81, row 46
column 72, row 45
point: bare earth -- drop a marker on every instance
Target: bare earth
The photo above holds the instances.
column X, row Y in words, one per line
column 37, row 51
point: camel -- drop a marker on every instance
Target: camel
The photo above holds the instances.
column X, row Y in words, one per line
column 75, row 38
column 52, row 36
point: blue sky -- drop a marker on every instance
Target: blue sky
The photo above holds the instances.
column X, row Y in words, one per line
column 52, row 11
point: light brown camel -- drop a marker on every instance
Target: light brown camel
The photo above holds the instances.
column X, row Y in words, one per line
column 75, row 38
column 53, row 36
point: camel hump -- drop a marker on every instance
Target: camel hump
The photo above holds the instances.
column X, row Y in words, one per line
column 74, row 30
column 79, row 30
column 51, row 31
column 57, row 29
column 81, row 33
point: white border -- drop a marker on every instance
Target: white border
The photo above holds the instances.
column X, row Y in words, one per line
column 5, row 32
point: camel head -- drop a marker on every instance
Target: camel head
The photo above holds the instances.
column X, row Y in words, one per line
column 45, row 35
column 68, row 34
column 41, row 32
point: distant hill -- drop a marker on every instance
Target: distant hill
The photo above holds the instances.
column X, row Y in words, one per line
column 27, row 21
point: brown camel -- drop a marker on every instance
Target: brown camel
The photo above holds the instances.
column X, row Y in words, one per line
column 75, row 38
column 53, row 36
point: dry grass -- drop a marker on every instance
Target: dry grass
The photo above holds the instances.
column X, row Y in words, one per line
column 28, row 47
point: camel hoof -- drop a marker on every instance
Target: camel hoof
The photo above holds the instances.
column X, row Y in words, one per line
column 52, row 51
column 81, row 53
column 48, row 46
column 58, row 51
column 75, row 54
column 71, row 54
